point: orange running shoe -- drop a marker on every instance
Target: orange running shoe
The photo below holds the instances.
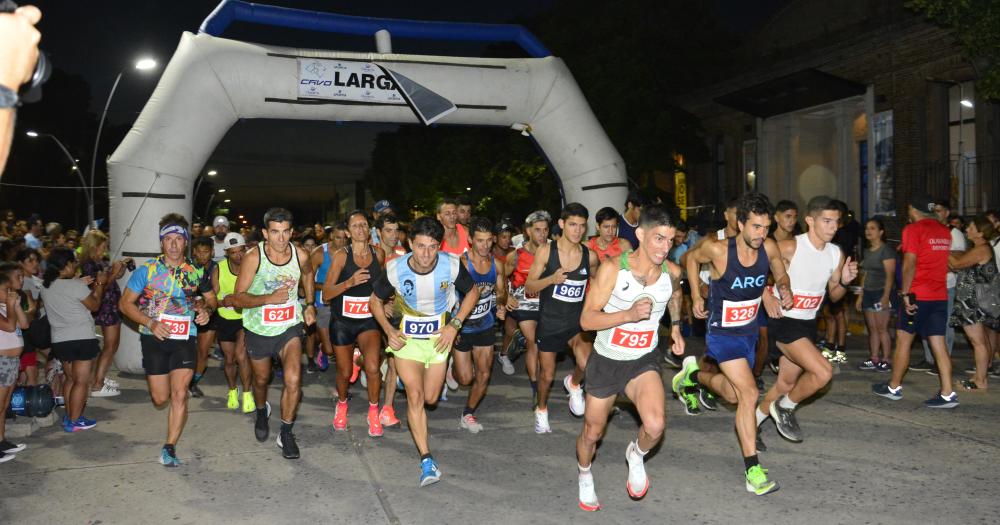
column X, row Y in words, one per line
column 340, row 416
column 374, row 423
column 388, row 417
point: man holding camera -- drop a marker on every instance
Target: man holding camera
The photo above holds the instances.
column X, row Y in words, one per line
column 18, row 56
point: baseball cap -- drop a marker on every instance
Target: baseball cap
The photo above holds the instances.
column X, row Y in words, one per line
column 922, row 202
column 220, row 220
column 382, row 205
column 233, row 240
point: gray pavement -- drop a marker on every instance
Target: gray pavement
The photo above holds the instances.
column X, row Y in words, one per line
column 864, row 460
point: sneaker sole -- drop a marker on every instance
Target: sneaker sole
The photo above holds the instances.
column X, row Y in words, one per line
column 946, row 405
column 773, row 412
column 278, row 442
column 588, row 507
column 636, row 495
column 429, row 480
column 773, row 488
column 890, row 395
column 99, row 393
column 686, row 409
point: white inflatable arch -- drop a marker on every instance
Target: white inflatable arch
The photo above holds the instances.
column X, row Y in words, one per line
column 211, row 82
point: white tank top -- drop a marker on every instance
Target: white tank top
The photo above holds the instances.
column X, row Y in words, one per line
column 809, row 273
column 631, row 341
column 10, row 340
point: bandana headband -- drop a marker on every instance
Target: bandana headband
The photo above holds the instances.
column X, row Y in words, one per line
column 173, row 228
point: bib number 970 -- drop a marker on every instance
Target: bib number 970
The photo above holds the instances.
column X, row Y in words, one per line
column 420, row 327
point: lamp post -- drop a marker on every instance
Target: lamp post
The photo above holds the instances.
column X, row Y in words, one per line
column 143, row 64
column 76, row 168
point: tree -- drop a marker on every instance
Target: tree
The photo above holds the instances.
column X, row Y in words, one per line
column 976, row 26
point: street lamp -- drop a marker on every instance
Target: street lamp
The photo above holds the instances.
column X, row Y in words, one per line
column 143, row 64
column 76, row 169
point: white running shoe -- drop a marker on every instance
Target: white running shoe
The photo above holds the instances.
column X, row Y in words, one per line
column 638, row 482
column 577, row 404
column 449, row 379
column 588, row 493
column 542, row 422
column 505, row 365
column 112, row 383
column 363, row 377
column 105, row 391
column 470, row 423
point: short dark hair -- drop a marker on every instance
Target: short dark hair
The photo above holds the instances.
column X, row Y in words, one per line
column 463, row 200
column 881, row 225
column 385, row 219
column 944, row 203
column 574, row 209
column 635, row 198
column 23, row 254
column 342, row 225
column 277, row 215
column 655, row 215
column 7, row 270
column 733, row 202
column 352, row 213
column 480, row 224
column 57, row 260
column 173, row 218
column 202, row 241
column 606, row 214
column 785, row 205
column 752, row 202
column 819, row 204
column 682, row 225
column 446, row 200
column 428, row 226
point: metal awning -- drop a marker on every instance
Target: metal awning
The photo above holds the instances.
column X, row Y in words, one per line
column 803, row 89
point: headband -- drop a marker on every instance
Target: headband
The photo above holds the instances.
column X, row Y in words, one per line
column 173, row 228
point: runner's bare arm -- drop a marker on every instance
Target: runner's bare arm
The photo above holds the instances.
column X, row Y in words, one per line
column 535, row 283
column 308, row 286
column 779, row 273
column 594, row 263
column 501, row 290
column 330, row 289
column 704, row 251
column 215, row 277
column 675, row 306
column 128, row 307
column 240, row 298
column 846, row 271
column 602, row 284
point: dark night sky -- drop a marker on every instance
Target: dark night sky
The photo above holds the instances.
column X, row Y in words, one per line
column 96, row 40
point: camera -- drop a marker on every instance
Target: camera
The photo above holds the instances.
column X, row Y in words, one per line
column 31, row 91
column 130, row 265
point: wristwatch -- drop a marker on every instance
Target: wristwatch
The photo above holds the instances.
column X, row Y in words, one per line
column 456, row 323
column 8, row 98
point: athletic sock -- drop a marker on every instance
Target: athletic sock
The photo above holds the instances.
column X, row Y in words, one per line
column 760, row 416
column 584, row 470
column 786, row 403
column 637, row 450
column 750, row 461
column 426, row 456
column 534, row 387
column 286, row 427
column 197, row 377
column 170, row 449
column 262, row 412
column 468, row 410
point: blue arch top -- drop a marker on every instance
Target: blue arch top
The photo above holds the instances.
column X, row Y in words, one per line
column 229, row 11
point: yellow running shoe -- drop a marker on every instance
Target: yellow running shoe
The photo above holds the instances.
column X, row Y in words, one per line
column 233, row 399
column 248, row 404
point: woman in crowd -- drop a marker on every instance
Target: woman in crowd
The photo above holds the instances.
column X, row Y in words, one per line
column 69, row 304
column 978, row 282
column 94, row 260
column 12, row 321
column 878, row 266
column 37, row 336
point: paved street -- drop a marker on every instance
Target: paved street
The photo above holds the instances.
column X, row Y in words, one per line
column 864, row 460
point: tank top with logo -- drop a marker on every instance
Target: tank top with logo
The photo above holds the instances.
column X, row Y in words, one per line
column 562, row 304
column 274, row 319
column 483, row 316
column 352, row 305
column 734, row 299
column 630, row 341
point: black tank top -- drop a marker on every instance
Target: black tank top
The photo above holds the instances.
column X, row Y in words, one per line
column 562, row 304
column 356, row 308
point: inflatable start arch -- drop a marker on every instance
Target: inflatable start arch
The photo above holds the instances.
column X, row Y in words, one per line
column 211, row 82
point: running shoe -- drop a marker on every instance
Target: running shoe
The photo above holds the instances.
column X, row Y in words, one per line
column 5, row 457
column 758, row 483
column 249, row 405
column 429, row 472
column 194, row 390
column 839, row 356
column 588, row 493
column 506, row 365
column 577, row 404
column 262, row 428
column 689, row 398
column 970, row 369
column 112, row 383
column 542, row 422
column 759, row 445
column 286, row 442
column 363, row 377
column 217, row 354
column 340, row 416
column 322, row 361
column 671, row 360
column 449, row 379
column 374, row 422
column 311, row 367
column 759, row 381
column 89, row 423
column 470, row 423
column 868, row 364
column 444, row 394
column 942, row 401
column 922, row 366
column 883, row 367
column 773, row 365
column 638, row 482
column 933, row 371
column 682, row 379
column 357, row 368
column 387, row 416
column 514, row 347
column 233, row 399
column 11, row 448
column 886, row 391
column 828, row 355
column 105, row 391
column 169, row 459
column 784, row 420
column 707, row 399
column 994, row 371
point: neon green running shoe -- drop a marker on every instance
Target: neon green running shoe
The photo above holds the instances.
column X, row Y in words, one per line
column 248, row 404
column 682, row 379
column 758, row 483
column 233, row 399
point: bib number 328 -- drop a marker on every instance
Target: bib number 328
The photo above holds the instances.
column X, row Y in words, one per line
column 739, row 313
